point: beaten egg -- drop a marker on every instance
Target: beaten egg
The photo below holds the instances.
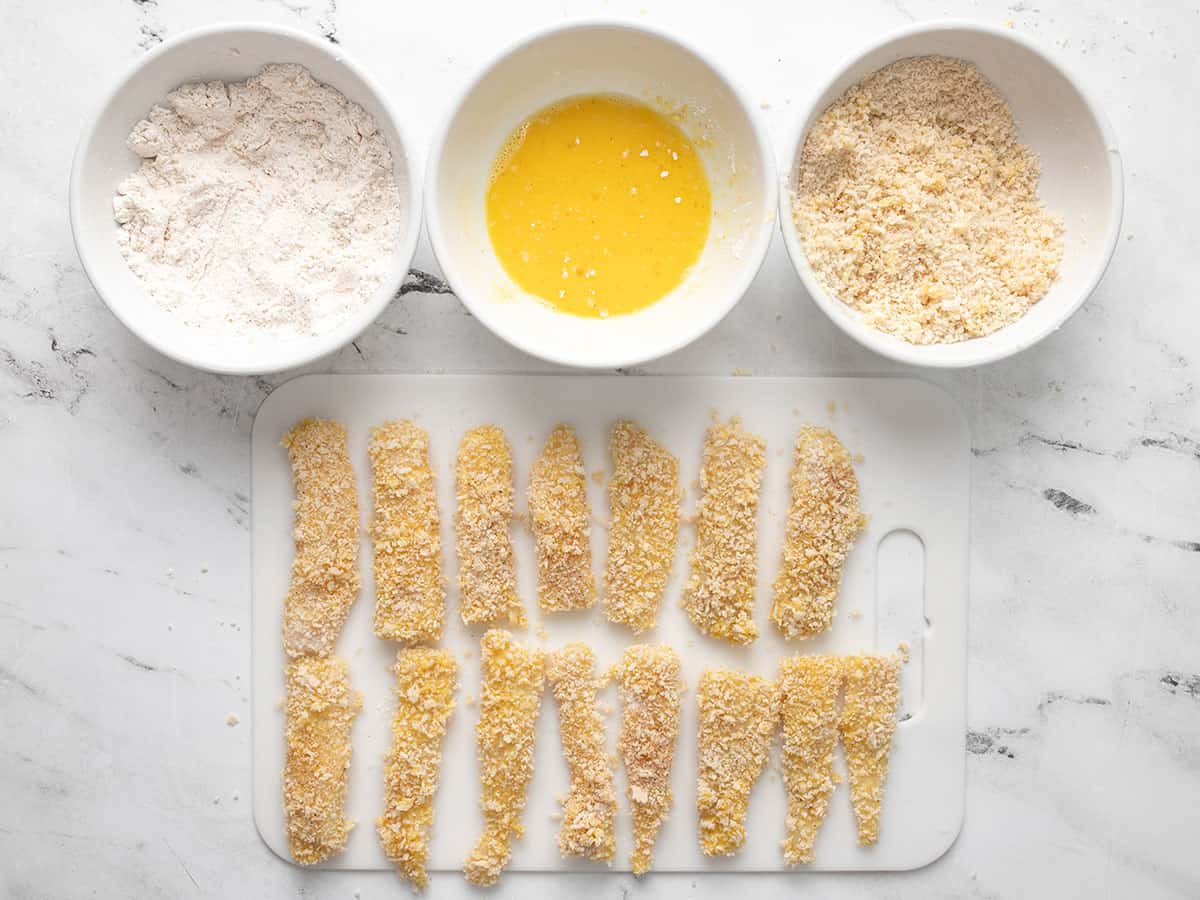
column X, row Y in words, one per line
column 599, row 205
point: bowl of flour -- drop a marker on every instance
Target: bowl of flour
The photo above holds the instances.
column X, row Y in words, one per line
column 244, row 201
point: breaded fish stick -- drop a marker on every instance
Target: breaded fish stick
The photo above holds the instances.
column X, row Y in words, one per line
column 822, row 523
column 560, row 515
column 867, row 724
column 719, row 595
column 325, row 578
column 425, row 680
column 487, row 577
column 410, row 589
column 319, row 710
column 651, row 689
column 643, row 497
column 738, row 714
column 808, row 695
column 513, row 678
column 590, row 806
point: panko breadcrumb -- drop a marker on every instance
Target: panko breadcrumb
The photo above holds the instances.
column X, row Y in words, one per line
column 719, row 595
column 319, row 709
column 325, row 578
column 867, row 724
column 487, row 577
column 410, row 589
column 590, row 806
column 651, row 689
column 425, row 682
column 644, row 500
column 560, row 516
column 918, row 208
column 513, row 678
column 738, row 714
column 808, row 694
column 822, row 523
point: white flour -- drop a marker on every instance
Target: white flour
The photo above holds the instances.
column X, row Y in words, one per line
column 265, row 207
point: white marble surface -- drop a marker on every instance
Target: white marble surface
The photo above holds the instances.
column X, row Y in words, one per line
column 124, row 554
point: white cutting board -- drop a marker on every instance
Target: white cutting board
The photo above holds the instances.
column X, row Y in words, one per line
column 914, row 487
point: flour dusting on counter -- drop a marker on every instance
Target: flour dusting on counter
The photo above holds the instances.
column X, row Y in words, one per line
column 266, row 207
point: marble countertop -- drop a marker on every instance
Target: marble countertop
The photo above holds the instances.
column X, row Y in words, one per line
column 124, row 553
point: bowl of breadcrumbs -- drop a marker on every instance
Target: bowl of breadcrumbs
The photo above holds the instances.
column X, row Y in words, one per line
column 952, row 197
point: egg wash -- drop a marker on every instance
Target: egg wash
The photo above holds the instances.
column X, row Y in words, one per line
column 599, row 205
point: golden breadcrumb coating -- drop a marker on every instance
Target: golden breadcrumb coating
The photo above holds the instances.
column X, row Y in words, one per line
column 325, row 577
column 822, row 523
column 643, row 497
column 410, row 589
column 560, row 515
column 808, row 695
column 918, row 208
column 487, row 575
column 319, row 710
column 590, row 806
column 513, row 678
column 867, row 724
column 719, row 594
column 425, row 682
column 651, row 689
column 738, row 714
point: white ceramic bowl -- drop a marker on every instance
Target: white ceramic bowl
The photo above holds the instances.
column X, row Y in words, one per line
column 588, row 58
column 1081, row 180
column 230, row 53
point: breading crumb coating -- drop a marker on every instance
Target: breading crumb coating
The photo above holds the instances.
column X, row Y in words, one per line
column 561, row 519
column 822, row 523
column 590, row 807
column 867, row 725
column 487, row 576
column 809, row 687
column 319, row 710
column 425, row 682
column 325, row 578
column 410, row 588
column 644, row 499
column 738, row 715
column 651, row 690
column 511, row 695
column 719, row 595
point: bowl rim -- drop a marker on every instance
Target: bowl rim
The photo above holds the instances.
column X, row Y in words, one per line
column 754, row 256
column 888, row 345
column 318, row 346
